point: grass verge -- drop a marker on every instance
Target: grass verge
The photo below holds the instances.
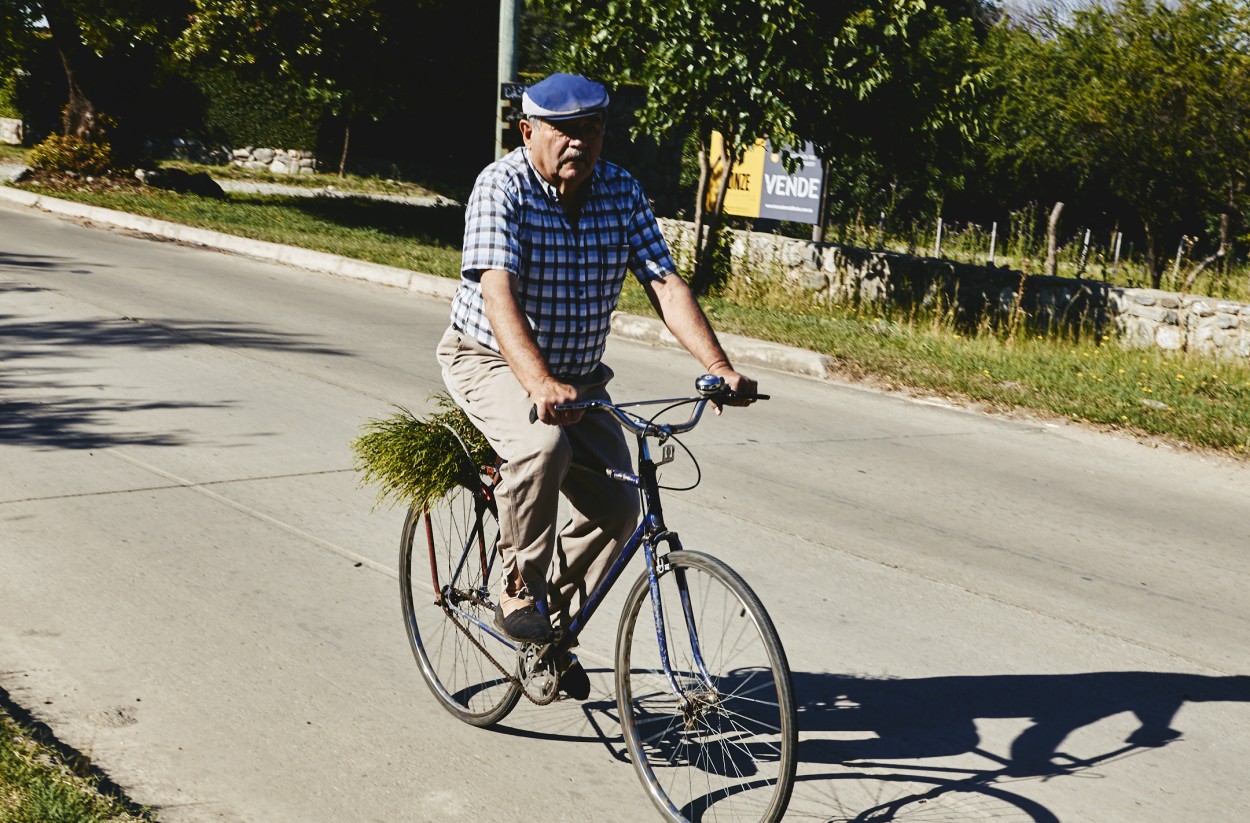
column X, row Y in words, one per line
column 12, row 154
column 421, row 238
column 39, row 785
column 1185, row 398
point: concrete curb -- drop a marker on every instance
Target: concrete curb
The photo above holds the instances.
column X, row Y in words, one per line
column 744, row 351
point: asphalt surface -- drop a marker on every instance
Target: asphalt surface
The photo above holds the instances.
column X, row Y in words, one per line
column 195, row 591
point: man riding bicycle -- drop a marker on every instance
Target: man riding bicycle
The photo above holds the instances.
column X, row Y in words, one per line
column 550, row 232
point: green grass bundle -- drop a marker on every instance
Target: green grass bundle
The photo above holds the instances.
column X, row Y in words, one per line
column 415, row 461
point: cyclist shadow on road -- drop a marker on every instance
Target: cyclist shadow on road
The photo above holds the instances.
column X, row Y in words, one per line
column 936, row 716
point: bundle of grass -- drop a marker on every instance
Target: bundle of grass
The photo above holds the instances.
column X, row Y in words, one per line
column 417, row 462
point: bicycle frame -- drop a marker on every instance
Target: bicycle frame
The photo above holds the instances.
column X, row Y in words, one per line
column 649, row 535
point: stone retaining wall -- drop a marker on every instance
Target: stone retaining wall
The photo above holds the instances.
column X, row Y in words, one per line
column 976, row 294
column 11, row 131
column 277, row 161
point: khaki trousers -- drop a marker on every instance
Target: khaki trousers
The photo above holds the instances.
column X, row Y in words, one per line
column 539, row 565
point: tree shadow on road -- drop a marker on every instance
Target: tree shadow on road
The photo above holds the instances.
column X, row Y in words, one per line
column 29, row 263
column 44, row 403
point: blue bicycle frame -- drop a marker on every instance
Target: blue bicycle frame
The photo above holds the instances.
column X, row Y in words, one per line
column 651, row 532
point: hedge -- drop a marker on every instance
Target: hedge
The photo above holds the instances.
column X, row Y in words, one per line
column 251, row 111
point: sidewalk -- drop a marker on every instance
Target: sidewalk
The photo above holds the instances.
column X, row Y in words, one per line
column 744, row 351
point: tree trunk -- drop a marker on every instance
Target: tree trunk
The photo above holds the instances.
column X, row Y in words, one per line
column 1219, row 254
column 79, row 117
column 1052, row 240
column 1154, row 261
column 822, row 212
column 705, row 274
column 347, row 139
column 700, row 197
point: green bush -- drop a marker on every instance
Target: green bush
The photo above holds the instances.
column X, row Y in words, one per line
column 72, row 154
column 8, row 89
column 255, row 111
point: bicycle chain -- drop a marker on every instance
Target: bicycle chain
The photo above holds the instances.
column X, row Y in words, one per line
column 511, row 678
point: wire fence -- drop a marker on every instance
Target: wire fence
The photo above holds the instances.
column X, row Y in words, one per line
column 1018, row 242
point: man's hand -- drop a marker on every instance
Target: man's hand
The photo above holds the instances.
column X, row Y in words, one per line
column 550, row 392
column 737, row 383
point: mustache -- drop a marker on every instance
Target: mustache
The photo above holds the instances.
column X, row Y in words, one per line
column 572, row 156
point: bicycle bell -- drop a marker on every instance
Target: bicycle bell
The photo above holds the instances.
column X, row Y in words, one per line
column 709, row 385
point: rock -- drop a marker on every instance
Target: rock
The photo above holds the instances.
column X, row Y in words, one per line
column 1168, row 338
column 182, row 182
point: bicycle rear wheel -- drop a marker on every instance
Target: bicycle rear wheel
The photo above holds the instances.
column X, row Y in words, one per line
column 726, row 748
column 449, row 568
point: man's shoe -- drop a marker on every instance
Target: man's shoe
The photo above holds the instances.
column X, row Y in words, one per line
column 573, row 679
column 525, row 625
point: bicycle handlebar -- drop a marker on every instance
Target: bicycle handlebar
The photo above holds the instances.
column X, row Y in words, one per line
column 711, row 389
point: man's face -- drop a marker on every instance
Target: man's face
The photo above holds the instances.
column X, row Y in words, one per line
column 564, row 151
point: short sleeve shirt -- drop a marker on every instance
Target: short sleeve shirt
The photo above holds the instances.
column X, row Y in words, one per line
column 569, row 277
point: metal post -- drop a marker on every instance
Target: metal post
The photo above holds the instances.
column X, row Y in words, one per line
column 993, row 240
column 937, row 241
column 1084, row 255
column 509, row 33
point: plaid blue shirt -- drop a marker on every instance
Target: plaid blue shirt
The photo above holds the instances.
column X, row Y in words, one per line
column 569, row 277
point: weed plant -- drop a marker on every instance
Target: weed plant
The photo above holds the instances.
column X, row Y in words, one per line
column 418, row 461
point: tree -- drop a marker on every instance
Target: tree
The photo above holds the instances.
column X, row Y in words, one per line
column 909, row 143
column 1145, row 103
column 743, row 68
column 334, row 49
column 108, row 50
column 359, row 60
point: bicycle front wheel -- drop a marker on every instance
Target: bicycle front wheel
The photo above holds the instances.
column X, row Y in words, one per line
column 719, row 741
column 448, row 569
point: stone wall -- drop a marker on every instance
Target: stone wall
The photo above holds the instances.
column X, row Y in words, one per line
column 11, row 130
column 277, row 161
column 977, row 294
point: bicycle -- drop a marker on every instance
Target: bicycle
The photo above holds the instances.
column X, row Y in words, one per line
column 703, row 687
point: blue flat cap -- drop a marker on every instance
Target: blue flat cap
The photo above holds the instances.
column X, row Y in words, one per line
column 564, row 97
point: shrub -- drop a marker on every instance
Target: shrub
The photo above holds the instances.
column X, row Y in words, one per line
column 245, row 110
column 72, row 154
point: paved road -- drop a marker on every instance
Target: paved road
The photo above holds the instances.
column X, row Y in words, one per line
column 194, row 590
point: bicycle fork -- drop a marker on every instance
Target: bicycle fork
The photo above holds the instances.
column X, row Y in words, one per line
column 695, row 703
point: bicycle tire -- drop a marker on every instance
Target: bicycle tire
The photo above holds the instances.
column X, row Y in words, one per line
column 458, row 672
column 733, row 754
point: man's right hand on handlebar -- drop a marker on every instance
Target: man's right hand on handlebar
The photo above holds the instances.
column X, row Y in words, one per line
column 547, row 395
column 736, row 383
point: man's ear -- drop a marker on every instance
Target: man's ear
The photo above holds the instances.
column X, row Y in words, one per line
column 527, row 131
